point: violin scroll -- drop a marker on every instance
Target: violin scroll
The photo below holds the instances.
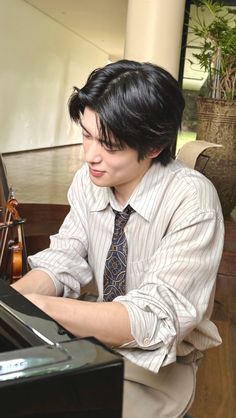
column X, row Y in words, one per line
column 16, row 249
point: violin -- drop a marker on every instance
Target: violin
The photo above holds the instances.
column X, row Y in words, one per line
column 16, row 249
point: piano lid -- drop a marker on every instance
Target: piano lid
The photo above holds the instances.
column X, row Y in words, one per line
column 79, row 355
column 27, row 319
column 73, row 376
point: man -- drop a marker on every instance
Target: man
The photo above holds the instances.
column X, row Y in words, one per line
column 159, row 318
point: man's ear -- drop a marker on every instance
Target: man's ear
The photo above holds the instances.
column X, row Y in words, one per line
column 153, row 153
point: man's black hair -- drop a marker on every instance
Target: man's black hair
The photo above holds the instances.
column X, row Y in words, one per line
column 139, row 105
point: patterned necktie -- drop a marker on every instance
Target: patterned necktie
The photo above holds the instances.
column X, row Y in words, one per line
column 115, row 266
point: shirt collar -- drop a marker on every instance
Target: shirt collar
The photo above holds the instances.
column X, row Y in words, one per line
column 146, row 193
column 143, row 198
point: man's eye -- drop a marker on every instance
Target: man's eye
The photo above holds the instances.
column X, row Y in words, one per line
column 111, row 150
column 86, row 135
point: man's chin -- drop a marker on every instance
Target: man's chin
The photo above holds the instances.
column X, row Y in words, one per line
column 99, row 182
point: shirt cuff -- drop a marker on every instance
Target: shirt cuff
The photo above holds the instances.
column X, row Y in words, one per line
column 144, row 327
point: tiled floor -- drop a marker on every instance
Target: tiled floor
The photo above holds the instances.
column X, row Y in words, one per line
column 43, row 176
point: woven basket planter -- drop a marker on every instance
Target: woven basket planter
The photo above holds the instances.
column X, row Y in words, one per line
column 217, row 123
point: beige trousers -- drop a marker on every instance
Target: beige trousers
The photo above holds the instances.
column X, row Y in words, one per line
column 167, row 394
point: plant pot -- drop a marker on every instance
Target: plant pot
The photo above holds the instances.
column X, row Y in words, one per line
column 217, row 123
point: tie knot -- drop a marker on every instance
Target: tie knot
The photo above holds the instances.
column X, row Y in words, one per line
column 121, row 218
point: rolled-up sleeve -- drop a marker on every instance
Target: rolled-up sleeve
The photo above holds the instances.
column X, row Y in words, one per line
column 66, row 259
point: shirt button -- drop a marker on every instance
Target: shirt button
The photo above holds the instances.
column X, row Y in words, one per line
column 146, row 341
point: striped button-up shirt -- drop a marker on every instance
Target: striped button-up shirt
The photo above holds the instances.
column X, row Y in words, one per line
column 175, row 240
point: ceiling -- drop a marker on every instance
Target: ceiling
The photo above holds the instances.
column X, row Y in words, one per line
column 103, row 22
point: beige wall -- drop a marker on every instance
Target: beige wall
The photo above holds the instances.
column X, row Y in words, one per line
column 40, row 62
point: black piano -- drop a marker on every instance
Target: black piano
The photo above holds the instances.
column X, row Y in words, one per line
column 47, row 372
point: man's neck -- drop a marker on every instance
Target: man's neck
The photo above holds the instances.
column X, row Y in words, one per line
column 124, row 192
column 120, row 198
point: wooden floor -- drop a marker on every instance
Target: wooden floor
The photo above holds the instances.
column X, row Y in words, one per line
column 42, row 178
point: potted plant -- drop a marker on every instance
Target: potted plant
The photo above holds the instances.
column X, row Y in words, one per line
column 214, row 26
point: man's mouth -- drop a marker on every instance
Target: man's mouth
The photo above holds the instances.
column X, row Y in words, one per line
column 96, row 173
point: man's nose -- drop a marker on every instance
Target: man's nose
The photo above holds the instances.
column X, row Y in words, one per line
column 92, row 152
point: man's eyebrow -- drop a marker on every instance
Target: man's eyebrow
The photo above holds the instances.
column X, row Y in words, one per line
column 86, row 130
column 83, row 127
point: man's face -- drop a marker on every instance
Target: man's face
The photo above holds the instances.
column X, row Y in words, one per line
column 110, row 167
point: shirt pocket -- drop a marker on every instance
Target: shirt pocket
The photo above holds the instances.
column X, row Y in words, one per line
column 136, row 272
